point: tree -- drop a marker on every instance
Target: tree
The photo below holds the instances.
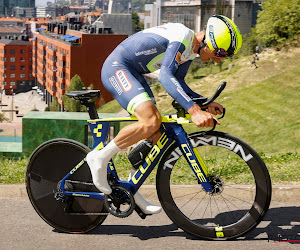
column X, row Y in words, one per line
column 70, row 104
column 278, row 20
column 137, row 25
column 54, row 106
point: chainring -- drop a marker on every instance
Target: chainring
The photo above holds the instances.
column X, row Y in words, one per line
column 120, row 202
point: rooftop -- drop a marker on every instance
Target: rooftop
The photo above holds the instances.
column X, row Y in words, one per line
column 11, row 19
column 14, row 42
column 11, row 29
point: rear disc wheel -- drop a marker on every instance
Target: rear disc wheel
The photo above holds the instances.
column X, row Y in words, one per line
column 47, row 166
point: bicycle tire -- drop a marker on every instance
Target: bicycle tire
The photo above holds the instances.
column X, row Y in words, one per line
column 196, row 211
column 48, row 164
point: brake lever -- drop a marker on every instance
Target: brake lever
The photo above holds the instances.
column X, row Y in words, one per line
column 215, row 121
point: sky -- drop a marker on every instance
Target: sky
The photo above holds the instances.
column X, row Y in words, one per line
column 42, row 2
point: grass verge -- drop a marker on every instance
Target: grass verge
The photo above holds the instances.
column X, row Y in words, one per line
column 284, row 170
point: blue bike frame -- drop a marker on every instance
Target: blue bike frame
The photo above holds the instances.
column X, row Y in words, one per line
column 171, row 133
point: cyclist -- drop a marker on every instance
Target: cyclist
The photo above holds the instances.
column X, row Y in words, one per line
column 170, row 48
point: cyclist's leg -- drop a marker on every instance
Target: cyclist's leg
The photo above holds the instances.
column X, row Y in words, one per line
column 132, row 96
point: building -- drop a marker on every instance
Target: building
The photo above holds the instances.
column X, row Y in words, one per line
column 12, row 21
column 195, row 13
column 15, row 66
column 23, row 12
column 150, row 16
column 46, row 11
column 61, row 53
column 15, row 27
column 6, row 6
column 12, row 32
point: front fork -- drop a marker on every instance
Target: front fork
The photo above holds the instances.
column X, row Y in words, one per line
column 192, row 157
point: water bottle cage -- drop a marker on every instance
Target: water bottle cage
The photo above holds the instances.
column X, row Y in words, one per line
column 139, row 153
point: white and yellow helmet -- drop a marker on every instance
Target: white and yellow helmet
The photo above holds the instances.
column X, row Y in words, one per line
column 222, row 33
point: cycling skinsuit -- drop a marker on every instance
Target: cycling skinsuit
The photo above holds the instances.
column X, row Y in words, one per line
column 168, row 48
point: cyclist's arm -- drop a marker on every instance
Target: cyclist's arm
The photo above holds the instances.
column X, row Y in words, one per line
column 170, row 65
column 213, row 108
column 180, row 75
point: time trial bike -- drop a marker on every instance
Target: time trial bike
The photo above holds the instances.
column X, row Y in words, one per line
column 211, row 184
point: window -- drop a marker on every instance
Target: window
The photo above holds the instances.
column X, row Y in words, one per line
column 4, row 67
column 22, row 59
column 4, row 75
column 22, row 51
column 12, row 59
column 22, row 67
column 12, row 83
column 22, row 75
column 12, row 52
column 4, row 59
column 4, row 51
column 30, row 51
column 12, row 75
column 4, row 83
column 12, row 67
column 30, row 75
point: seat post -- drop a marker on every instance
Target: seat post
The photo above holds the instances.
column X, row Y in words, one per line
column 91, row 108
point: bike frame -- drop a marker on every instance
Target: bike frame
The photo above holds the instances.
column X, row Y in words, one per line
column 172, row 132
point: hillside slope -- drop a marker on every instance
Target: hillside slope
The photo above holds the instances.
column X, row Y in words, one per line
column 263, row 104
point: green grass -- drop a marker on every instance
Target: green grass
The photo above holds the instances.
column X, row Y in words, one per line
column 283, row 169
column 110, row 107
column 12, row 171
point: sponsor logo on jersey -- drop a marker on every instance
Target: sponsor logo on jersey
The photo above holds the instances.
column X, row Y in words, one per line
column 123, row 80
column 115, row 63
column 146, row 52
column 180, row 90
column 115, row 84
column 178, row 57
column 156, row 66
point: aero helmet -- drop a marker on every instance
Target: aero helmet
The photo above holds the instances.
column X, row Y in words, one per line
column 222, row 33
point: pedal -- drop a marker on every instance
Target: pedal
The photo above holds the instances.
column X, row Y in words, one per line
column 140, row 212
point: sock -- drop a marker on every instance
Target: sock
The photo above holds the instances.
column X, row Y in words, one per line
column 98, row 161
column 144, row 205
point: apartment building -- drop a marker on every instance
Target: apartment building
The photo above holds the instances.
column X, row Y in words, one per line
column 60, row 54
column 15, row 66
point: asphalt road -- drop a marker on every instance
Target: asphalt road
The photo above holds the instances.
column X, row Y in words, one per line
column 22, row 228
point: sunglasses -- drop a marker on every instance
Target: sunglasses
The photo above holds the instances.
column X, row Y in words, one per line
column 221, row 53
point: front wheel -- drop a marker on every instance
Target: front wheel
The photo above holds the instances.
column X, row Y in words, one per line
column 47, row 166
column 241, row 182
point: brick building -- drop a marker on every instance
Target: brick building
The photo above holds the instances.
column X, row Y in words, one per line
column 60, row 54
column 15, row 66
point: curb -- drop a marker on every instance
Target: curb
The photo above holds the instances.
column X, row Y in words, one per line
column 280, row 193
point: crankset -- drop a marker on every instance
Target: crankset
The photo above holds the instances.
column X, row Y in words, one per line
column 120, row 202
